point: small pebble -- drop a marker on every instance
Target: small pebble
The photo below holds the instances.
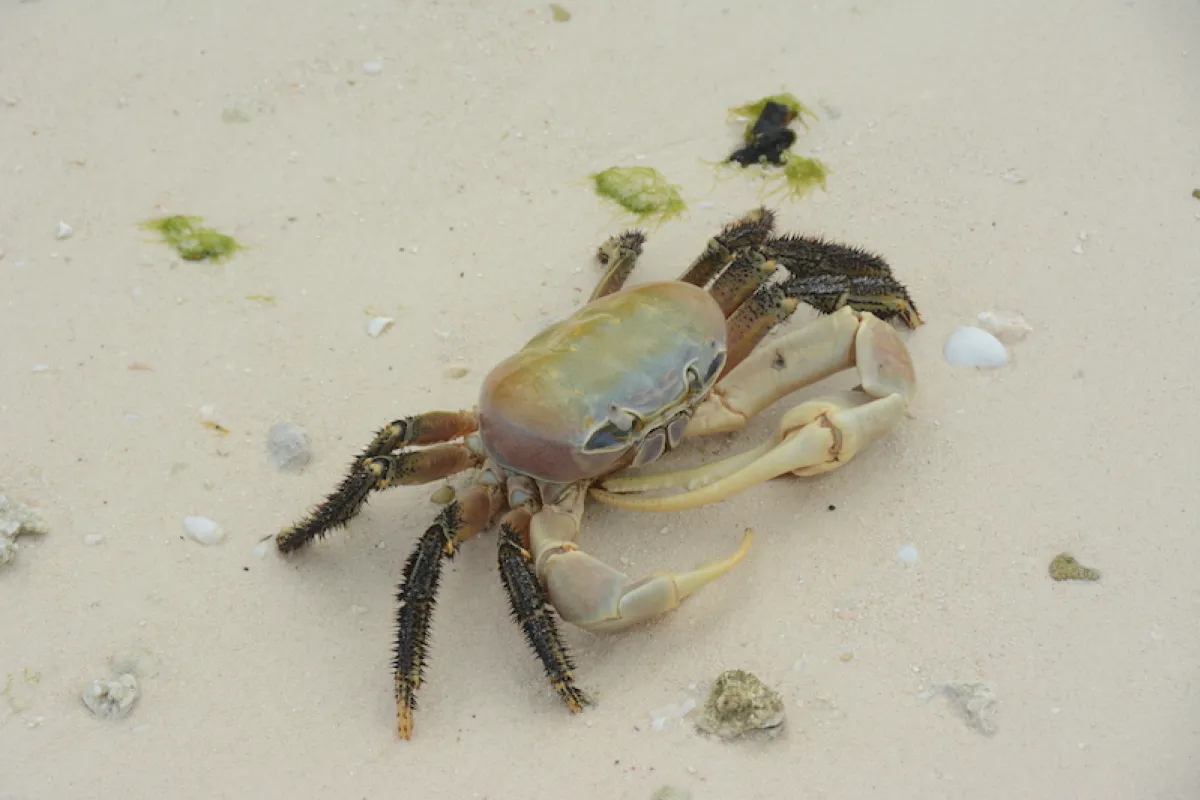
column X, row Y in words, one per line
column 373, row 67
column 1012, row 176
column 455, row 373
column 93, row 539
column 40, row 368
column 976, row 701
column 64, row 231
column 16, row 519
column 377, row 325
column 741, row 705
column 974, row 347
column 288, row 446
column 1007, row 326
column 111, row 699
column 203, row 530
column 908, row 554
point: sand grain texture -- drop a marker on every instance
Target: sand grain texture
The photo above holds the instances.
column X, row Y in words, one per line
column 447, row 190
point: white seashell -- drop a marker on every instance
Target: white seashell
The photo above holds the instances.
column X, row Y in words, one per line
column 377, row 325
column 64, row 231
column 974, row 347
column 203, row 530
column 1007, row 326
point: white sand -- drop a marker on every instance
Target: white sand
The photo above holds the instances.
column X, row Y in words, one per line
column 449, row 193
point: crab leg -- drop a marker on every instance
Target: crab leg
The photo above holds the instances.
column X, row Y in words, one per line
column 619, row 255
column 458, row 521
column 749, row 231
column 594, row 596
column 737, row 283
column 529, row 609
column 828, row 275
column 814, row 437
column 374, row 469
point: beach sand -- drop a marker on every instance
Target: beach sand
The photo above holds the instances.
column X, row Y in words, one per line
column 1022, row 156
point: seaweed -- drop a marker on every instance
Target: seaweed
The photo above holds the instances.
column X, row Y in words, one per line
column 192, row 241
column 752, row 111
column 1064, row 567
column 642, row 191
column 767, row 142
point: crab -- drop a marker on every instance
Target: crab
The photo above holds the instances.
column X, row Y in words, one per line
column 614, row 386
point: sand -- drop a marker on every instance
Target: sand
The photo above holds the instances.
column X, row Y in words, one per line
column 449, row 192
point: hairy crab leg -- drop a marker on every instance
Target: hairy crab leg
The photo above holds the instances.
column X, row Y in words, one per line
column 530, row 610
column 589, row 593
column 375, row 470
column 417, row 595
column 619, row 255
column 828, row 276
column 814, row 437
column 745, row 275
column 741, row 234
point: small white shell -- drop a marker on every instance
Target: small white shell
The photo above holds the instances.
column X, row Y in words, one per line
column 377, row 325
column 974, row 347
column 203, row 530
column 1007, row 326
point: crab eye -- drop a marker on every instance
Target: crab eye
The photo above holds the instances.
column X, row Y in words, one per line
column 714, row 369
column 693, row 381
column 608, row 437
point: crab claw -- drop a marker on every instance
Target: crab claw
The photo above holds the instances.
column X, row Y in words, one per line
column 814, row 437
column 596, row 597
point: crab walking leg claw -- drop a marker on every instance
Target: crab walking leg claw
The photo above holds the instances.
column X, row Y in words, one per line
column 814, row 437
column 594, row 596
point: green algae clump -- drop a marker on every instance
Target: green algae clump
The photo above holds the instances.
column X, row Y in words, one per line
column 1064, row 567
column 799, row 176
column 192, row 241
column 642, row 191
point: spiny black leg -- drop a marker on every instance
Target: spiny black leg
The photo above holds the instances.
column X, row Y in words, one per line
column 417, row 595
column 363, row 477
column 747, row 232
column 618, row 256
column 828, row 291
column 337, row 509
column 827, row 275
column 374, row 473
column 535, row 617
